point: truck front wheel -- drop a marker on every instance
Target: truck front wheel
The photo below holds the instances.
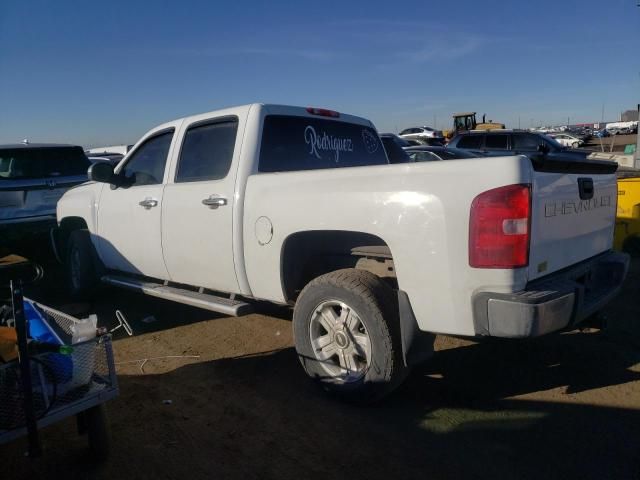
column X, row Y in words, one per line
column 346, row 334
column 81, row 265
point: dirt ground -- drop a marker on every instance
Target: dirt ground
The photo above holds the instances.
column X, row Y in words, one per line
column 562, row 406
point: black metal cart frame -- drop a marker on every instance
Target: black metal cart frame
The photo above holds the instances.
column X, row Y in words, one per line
column 44, row 388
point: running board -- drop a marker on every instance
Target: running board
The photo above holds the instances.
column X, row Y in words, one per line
column 226, row 306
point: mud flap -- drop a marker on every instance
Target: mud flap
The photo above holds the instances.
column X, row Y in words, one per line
column 417, row 346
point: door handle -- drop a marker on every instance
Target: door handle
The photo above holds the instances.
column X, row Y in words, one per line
column 148, row 202
column 214, row 201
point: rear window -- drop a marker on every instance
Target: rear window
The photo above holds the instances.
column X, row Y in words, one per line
column 301, row 143
column 470, row 141
column 30, row 163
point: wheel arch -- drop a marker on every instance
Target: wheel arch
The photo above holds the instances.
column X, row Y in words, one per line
column 308, row 254
column 60, row 236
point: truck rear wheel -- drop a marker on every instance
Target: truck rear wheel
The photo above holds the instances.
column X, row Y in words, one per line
column 346, row 333
column 82, row 271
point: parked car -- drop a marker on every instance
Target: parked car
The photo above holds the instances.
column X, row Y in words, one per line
column 537, row 146
column 601, row 133
column 567, row 140
column 300, row 206
column 111, row 157
column 580, row 133
column 419, row 133
column 32, row 179
column 112, row 149
column 434, row 142
column 398, row 140
column 427, row 154
column 394, row 147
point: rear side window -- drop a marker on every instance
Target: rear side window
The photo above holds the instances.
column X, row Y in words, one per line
column 470, row 141
column 292, row 143
column 146, row 164
column 32, row 163
column 496, row 142
column 207, row 151
column 526, row 142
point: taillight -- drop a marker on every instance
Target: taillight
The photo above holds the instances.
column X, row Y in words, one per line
column 323, row 112
column 499, row 228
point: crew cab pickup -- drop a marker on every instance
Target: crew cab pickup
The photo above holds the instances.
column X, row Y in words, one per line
column 300, row 206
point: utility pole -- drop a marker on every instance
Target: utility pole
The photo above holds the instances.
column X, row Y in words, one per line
column 637, row 161
column 602, row 117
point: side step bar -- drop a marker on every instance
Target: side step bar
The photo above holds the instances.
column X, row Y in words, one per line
column 226, row 306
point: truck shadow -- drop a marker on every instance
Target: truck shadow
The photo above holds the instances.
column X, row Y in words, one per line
column 259, row 417
column 574, row 361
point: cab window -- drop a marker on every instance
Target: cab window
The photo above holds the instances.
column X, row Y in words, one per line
column 207, row 151
column 526, row 142
column 147, row 163
column 497, row 142
column 470, row 141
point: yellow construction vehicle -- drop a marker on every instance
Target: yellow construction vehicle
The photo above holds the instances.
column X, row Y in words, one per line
column 627, row 232
column 467, row 121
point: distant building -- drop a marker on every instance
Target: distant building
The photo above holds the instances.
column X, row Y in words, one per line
column 629, row 116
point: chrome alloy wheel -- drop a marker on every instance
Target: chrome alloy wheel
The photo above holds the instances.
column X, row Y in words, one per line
column 340, row 341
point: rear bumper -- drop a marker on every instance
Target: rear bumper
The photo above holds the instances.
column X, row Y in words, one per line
column 560, row 300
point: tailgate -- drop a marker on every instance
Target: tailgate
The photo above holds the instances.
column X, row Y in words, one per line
column 33, row 197
column 571, row 221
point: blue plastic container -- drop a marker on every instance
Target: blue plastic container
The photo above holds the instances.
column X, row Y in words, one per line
column 40, row 330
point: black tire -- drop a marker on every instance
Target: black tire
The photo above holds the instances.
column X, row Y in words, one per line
column 376, row 309
column 98, row 433
column 82, row 266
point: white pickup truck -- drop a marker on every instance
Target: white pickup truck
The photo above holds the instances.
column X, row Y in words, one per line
column 301, row 206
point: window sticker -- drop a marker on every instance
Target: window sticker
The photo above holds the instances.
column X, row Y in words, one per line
column 370, row 140
column 324, row 142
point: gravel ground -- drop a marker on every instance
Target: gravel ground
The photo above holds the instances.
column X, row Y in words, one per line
column 562, row 406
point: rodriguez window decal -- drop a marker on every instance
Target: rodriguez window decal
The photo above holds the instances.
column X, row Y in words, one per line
column 326, row 142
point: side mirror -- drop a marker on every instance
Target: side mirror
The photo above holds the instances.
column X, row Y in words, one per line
column 543, row 148
column 101, row 172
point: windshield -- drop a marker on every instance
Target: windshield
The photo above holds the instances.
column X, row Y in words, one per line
column 30, row 163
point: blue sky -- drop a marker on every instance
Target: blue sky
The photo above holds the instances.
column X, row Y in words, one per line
column 97, row 73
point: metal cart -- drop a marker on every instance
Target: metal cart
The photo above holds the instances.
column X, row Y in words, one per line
column 51, row 382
